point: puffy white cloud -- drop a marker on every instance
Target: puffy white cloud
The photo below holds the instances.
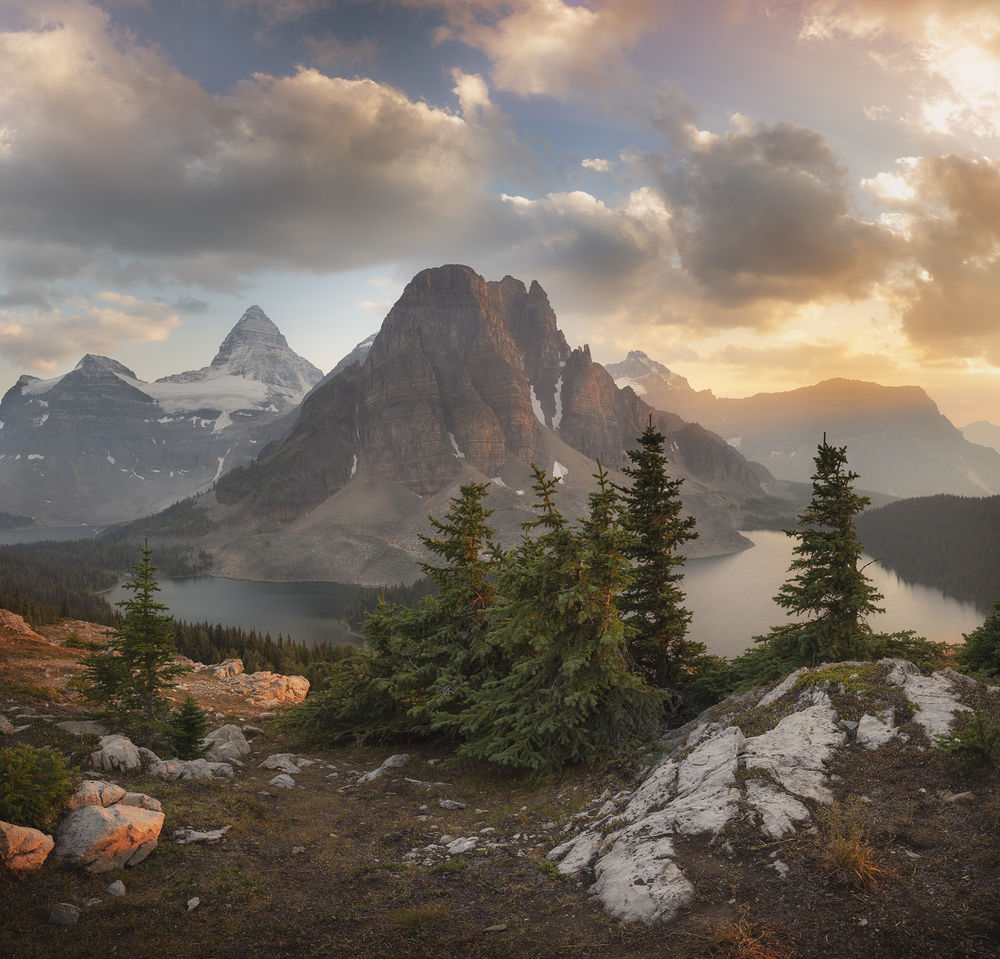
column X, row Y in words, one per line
column 116, row 164
column 43, row 339
column 553, row 47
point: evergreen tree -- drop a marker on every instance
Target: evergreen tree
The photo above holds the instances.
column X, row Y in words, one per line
column 829, row 586
column 654, row 601
column 187, row 727
column 127, row 676
column 569, row 695
column 426, row 663
column 981, row 652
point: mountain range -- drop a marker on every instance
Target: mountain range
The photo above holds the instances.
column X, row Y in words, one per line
column 466, row 380
column 98, row 445
column 897, row 440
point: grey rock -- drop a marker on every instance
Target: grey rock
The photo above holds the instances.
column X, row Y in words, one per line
column 184, row 836
column 877, row 730
column 64, row 914
column 283, row 780
column 6, row 726
column 393, row 762
column 283, row 762
column 141, row 801
column 191, row 769
column 193, row 903
column 116, row 752
column 117, row 888
column 83, row 727
column 226, row 744
column 451, row 804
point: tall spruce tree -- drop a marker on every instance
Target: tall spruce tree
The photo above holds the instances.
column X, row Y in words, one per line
column 654, row 600
column 434, row 657
column 828, row 585
column 130, row 673
column 569, row 695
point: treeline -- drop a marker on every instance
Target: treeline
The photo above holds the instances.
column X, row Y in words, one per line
column 368, row 600
column 205, row 643
column 51, row 580
column 13, row 521
column 949, row 542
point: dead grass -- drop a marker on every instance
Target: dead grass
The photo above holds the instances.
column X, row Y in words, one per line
column 844, row 848
column 745, row 939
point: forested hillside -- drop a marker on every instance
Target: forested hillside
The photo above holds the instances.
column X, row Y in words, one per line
column 951, row 542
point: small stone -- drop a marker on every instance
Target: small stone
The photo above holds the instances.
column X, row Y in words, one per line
column 193, row 903
column 499, row 927
column 64, row 914
column 283, row 780
column 451, row 804
column 117, row 888
column 296, row 850
column 6, row 726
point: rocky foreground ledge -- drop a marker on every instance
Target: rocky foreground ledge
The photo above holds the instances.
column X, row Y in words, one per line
column 758, row 761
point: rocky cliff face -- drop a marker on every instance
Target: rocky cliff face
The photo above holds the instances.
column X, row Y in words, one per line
column 896, row 438
column 467, row 379
column 99, row 445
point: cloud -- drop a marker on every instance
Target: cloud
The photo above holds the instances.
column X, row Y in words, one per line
column 551, row 47
column 954, row 43
column 947, row 292
column 273, row 12
column 763, row 214
column 597, row 257
column 328, row 50
column 115, row 165
column 43, row 339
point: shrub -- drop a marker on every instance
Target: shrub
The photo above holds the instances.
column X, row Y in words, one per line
column 34, row 784
column 186, row 729
column 981, row 652
column 971, row 747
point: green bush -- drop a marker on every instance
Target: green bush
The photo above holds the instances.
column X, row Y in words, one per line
column 34, row 784
column 981, row 652
column 186, row 728
column 971, row 747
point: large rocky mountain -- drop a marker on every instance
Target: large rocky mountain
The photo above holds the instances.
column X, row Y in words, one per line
column 98, row 445
column 896, row 438
column 466, row 380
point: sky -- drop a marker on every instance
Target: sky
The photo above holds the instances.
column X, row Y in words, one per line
column 760, row 194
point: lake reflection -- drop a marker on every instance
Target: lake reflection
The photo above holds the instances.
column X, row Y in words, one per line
column 731, row 598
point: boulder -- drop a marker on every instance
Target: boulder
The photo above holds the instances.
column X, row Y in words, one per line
column 227, row 668
column 283, row 762
column 83, row 727
column 191, row 769
column 116, row 752
column 141, row 801
column 226, row 744
column 266, row 688
column 393, row 762
column 94, row 792
column 100, row 839
column 23, row 849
